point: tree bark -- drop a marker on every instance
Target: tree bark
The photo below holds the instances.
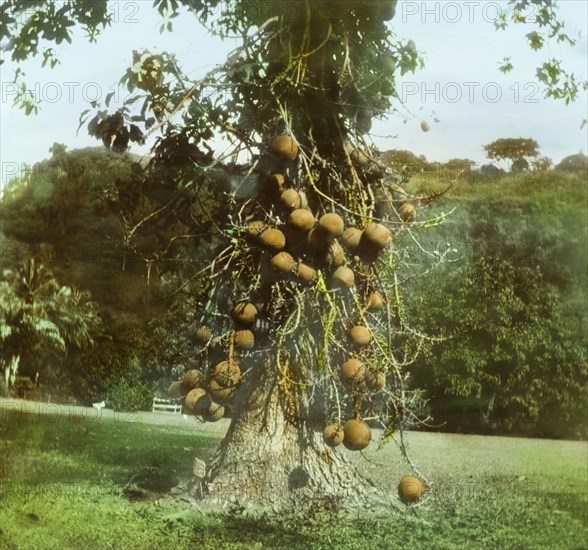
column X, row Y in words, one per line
column 273, row 455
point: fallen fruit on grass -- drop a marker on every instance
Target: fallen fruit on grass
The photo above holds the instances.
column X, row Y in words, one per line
column 410, row 489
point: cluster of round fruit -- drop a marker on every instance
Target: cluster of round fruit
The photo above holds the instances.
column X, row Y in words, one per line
column 300, row 244
column 206, row 397
column 199, row 401
column 355, row 434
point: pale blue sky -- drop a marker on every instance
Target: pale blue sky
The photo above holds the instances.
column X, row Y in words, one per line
column 460, row 85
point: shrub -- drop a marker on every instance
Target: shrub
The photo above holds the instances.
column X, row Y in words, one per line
column 129, row 393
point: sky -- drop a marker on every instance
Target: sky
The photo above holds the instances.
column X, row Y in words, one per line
column 460, row 86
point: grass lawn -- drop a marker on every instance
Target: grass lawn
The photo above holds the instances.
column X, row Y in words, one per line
column 71, row 483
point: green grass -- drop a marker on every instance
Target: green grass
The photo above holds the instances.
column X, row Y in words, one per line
column 71, row 483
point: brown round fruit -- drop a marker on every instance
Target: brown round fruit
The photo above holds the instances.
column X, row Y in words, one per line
column 273, row 239
column 357, row 434
column 227, row 374
column 301, row 219
column 202, row 334
column 407, row 212
column 277, row 182
column 375, row 380
column 192, row 379
column 290, row 199
column 315, row 238
column 359, row 157
column 335, row 255
column 350, row 238
column 333, row 435
column 213, row 413
column 410, row 489
column 244, row 338
column 377, row 236
column 221, row 393
column 197, row 401
column 343, row 277
column 425, row 126
column 177, row 389
column 360, row 335
column 282, row 262
column 284, row 147
column 244, row 313
column 375, row 302
column 255, row 229
column 306, row 272
column 331, row 225
column 352, row 372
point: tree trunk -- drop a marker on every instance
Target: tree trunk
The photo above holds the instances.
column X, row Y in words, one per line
column 273, row 455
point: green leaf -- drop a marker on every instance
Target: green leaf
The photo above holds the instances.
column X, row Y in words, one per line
column 536, row 41
column 506, row 65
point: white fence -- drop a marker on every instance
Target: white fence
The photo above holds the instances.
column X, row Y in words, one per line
column 166, row 405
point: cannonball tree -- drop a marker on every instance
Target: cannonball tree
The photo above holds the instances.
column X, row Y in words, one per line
column 298, row 335
column 299, row 327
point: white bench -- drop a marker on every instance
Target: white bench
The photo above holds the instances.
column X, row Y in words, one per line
column 166, row 405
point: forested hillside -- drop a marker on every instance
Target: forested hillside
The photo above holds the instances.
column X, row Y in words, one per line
column 510, row 303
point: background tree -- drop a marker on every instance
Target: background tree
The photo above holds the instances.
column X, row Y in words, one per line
column 542, row 164
column 517, row 150
column 509, row 308
column 574, row 163
column 542, row 15
column 35, row 311
column 459, row 168
column 405, row 161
